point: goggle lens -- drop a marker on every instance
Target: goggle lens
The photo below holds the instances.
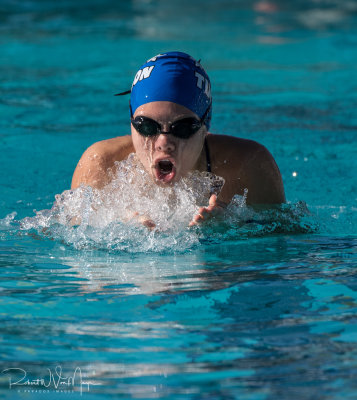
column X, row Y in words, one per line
column 183, row 128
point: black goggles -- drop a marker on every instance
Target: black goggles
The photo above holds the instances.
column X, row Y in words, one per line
column 183, row 128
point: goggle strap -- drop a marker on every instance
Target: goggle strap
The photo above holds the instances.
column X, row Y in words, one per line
column 123, row 93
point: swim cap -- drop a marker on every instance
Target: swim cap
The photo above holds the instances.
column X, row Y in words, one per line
column 176, row 77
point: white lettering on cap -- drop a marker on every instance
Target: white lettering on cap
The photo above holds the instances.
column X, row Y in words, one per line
column 207, row 88
column 143, row 74
column 146, row 72
column 154, row 58
column 202, row 80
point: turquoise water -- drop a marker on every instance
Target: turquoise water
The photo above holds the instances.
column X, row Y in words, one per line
column 232, row 311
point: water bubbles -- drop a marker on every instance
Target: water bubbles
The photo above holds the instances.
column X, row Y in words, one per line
column 8, row 220
column 134, row 214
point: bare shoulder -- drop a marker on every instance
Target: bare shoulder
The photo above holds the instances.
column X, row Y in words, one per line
column 246, row 164
column 109, row 148
column 95, row 165
column 229, row 145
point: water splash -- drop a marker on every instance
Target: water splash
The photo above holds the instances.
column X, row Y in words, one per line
column 112, row 218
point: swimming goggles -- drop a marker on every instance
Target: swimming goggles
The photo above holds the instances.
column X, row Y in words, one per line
column 183, row 128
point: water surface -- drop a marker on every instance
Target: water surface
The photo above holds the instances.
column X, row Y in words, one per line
column 237, row 313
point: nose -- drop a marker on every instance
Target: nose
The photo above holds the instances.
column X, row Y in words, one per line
column 165, row 143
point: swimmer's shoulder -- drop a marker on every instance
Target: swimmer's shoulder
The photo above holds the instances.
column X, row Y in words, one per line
column 246, row 164
column 230, row 151
column 111, row 150
column 95, row 165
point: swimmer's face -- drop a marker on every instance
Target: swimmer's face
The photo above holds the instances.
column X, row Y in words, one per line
column 167, row 158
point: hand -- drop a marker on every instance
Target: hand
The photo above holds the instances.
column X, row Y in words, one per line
column 144, row 220
column 214, row 207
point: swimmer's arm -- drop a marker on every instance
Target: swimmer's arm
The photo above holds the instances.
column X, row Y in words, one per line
column 92, row 168
column 97, row 165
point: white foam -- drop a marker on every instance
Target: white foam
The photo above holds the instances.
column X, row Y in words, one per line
column 111, row 217
column 104, row 219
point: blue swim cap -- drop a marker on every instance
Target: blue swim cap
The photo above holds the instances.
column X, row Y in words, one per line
column 176, row 77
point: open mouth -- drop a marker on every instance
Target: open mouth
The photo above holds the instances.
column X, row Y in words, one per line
column 165, row 171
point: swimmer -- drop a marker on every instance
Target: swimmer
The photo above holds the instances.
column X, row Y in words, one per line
column 171, row 108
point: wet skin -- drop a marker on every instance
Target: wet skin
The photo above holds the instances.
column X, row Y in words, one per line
column 182, row 154
column 244, row 164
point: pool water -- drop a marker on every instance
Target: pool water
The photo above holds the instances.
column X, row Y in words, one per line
column 234, row 310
